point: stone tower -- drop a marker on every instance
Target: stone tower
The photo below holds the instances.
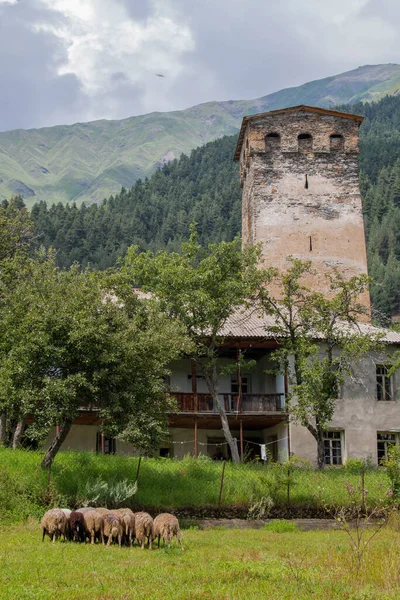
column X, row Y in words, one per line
column 301, row 195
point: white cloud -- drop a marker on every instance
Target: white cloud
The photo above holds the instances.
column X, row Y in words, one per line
column 103, row 43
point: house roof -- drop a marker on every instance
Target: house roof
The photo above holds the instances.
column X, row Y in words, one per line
column 301, row 107
column 248, row 324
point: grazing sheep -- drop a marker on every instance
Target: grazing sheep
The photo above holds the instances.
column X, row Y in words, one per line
column 94, row 525
column 143, row 528
column 166, row 526
column 54, row 524
column 85, row 509
column 67, row 513
column 128, row 520
column 103, row 511
column 77, row 526
column 113, row 528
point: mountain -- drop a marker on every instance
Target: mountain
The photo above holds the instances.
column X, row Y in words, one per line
column 90, row 161
column 204, row 187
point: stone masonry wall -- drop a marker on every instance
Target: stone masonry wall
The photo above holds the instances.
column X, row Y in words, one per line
column 301, row 197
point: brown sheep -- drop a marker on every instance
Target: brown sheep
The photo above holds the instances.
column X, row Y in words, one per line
column 54, row 524
column 102, row 511
column 77, row 526
column 94, row 523
column 128, row 519
column 143, row 528
column 166, row 526
column 113, row 528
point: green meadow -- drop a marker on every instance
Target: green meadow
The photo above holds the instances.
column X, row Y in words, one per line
column 217, row 564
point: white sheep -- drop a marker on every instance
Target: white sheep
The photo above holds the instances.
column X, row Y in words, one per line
column 54, row 524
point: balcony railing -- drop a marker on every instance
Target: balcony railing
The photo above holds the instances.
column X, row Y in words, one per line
column 249, row 403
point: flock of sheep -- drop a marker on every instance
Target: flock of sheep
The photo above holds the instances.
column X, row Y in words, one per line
column 122, row 526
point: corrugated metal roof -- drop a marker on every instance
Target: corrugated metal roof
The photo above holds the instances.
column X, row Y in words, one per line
column 301, row 107
column 249, row 324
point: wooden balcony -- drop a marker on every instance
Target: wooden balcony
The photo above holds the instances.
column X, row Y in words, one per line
column 248, row 404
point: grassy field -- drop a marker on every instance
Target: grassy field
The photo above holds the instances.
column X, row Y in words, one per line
column 217, row 564
column 24, row 488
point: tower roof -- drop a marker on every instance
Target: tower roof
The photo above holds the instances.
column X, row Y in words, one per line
column 301, row 107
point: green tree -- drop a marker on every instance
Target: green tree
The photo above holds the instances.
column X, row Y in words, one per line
column 76, row 338
column 320, row 340
column 201, row 288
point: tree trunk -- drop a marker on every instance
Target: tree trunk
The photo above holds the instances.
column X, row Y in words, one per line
column 320, row 453
column 3, row 428
column 211, row 376
column 56, row 444
column 19, row 430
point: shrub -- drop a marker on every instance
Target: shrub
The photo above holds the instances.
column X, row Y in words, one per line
column 392, row 464
column 261, row 508
column 281, row 526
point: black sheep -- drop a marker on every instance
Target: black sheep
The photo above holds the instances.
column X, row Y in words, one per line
column 77, row 526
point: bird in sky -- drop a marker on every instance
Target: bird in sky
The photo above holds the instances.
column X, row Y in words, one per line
column 160, row 75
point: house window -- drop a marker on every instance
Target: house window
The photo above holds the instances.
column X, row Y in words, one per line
column 109, row 444
column 384, row 441
column 333, row 447
column 165, row 452
column 246, row 387
column 383, row 383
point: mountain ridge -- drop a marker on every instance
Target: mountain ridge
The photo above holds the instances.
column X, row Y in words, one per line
column 86, row 162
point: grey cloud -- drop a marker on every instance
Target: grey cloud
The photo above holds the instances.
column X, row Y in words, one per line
column 31, row 89
column 243, row 49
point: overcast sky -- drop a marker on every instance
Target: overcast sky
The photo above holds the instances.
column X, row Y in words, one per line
column 64, row 61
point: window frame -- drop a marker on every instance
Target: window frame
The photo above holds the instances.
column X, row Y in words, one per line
column 109, row 443
column 246, row 385
column 382, row 393
column 334, row 435
column 386, row 443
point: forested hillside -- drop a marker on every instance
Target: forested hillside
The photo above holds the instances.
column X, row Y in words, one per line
column 204, row 188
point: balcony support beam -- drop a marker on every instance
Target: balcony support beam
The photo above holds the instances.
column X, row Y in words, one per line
column 194, row 385
column 239, row 379
column 241, row 440
column 196, row 439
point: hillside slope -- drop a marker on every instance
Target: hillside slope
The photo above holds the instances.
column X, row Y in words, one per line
column 90, row 161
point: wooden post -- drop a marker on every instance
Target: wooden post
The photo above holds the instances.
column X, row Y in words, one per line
column 138, row 470
column 363, row 504
column 103, row 445
column 222, row 484
column 196, row 441
column 57, row 430
column 239, row 379
column 241, row 440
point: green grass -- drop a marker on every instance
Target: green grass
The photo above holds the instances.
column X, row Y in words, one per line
column 24, row 486
column 217, row 564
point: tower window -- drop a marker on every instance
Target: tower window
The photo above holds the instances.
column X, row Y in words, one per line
column 305, row 142
column 336, row 142
column 272, row 141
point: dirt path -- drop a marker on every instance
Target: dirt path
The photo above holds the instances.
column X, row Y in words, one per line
column 302, row 524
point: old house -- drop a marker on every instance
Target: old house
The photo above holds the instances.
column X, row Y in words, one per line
column 301, row 197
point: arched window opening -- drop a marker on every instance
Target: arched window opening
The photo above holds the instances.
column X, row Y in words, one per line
column 336, row 142
column 272, row 141
column 305, row 142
